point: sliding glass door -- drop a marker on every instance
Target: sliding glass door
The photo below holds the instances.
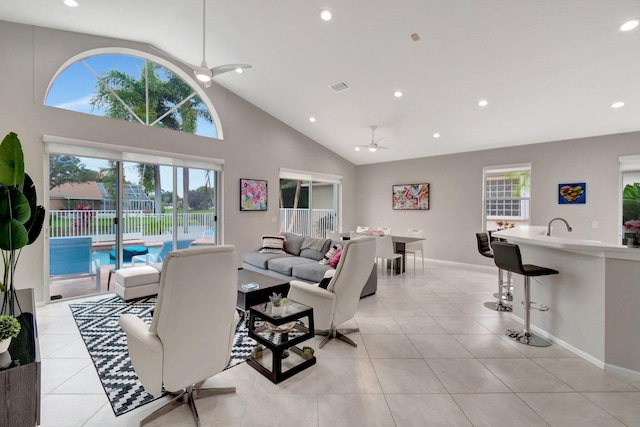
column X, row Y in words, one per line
column 107, row 214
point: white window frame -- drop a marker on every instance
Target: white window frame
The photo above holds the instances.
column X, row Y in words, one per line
column 489, row 172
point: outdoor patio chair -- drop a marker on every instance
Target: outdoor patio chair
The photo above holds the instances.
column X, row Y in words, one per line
column 167, row 247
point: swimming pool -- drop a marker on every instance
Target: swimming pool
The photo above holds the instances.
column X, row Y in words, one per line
column 103, row 256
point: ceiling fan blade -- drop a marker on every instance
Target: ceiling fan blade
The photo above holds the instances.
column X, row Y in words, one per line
column 220, row 69
column 380, row 147
column 379, row 139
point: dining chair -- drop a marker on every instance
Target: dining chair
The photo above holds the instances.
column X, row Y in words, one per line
column 334, row 235
column 385, row 251
column 415, row 247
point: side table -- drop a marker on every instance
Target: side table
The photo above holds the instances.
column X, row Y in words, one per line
column 295, row 326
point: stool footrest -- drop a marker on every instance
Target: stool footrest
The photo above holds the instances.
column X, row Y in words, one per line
column 498, row 306
column 537, row 306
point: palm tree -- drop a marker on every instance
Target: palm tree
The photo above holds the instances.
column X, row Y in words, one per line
column 155, row 101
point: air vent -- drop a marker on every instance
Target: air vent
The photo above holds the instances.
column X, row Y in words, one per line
column 339, row 87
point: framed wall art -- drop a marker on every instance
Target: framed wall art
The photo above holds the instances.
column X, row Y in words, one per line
column 253, row 194
column 411, row 197
column 572, row 194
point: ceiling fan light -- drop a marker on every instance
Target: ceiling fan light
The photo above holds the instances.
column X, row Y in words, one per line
column 373, row 149
column 239, row 70
column 357, row 148
column 203, row 74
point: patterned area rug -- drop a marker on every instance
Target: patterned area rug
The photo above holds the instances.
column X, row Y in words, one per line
column 107, row 345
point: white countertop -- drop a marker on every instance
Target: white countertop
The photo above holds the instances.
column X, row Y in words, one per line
column 537, row 235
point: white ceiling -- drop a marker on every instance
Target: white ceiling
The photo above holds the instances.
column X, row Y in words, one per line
column 550, row 69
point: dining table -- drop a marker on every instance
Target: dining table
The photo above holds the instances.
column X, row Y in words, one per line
column 399, row 246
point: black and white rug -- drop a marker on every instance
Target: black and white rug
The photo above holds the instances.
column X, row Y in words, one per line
column 107, row 345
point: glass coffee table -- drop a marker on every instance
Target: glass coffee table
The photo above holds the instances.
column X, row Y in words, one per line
column 280, row 334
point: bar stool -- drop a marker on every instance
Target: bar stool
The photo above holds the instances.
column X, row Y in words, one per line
column 485, row 250
column 507, row 287
column 507, row 256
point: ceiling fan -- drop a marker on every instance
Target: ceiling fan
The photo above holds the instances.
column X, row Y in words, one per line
column 373, row 146
column 202, row 72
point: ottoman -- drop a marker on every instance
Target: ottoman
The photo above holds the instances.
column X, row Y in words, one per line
column 137, row 282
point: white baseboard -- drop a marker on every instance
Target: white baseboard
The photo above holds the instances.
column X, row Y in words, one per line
column 614, row 369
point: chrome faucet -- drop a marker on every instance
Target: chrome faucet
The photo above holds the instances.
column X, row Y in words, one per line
column 561, row 219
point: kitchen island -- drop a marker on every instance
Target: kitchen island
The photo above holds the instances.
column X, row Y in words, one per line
column 594, row 303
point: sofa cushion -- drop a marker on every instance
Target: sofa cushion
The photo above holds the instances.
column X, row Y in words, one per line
column 260, row 260
column 272, row 244
column 285, row 265
column 333, row 262
column 311, row 271
column 314, row 248
column 330, row 253
column 293, row 243
column 328, row 275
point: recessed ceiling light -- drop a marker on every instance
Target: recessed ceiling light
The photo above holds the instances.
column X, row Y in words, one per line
column 617, row 104
column 312, row 119
column 357, row 148
column 71, row 3
column 630, row 25
column 436, row 135
column 398, row 94
column 483, row 103
column 326, row 15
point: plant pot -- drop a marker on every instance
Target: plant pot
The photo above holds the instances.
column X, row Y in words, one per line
column 4, row 345
column 277, row 311
column 256, row 354
column 307, row 356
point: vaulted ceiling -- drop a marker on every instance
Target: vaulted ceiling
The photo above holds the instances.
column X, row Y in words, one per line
column 548, row 69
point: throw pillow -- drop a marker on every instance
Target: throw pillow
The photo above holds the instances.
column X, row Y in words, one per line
column 328, row 275
column 330, row 253
column 272, row 244
column 336, row 258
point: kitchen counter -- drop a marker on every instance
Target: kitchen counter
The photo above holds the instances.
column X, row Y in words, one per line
column 594, row 301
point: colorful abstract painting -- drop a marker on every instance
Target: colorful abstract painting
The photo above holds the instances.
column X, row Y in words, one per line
column 253, row 195
column 572, row 193
column 411, row 197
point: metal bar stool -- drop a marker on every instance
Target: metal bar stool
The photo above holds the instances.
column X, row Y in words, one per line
column 507, row 256
column 485, row 250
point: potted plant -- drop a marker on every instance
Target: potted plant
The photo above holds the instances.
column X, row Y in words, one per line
column 277, row 304
column 20, row 218
column 256, row 351
column 633, row 228
column 9, row 328
column 308, row 352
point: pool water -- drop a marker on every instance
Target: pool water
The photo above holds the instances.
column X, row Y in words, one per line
column 103, row 256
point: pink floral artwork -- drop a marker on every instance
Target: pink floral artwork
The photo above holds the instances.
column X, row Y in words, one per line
column 253, row 195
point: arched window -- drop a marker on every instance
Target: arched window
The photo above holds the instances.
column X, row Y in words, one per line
column 120, row 84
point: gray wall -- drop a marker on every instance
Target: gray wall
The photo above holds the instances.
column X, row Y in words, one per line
column 255, row 145
column 456, row 212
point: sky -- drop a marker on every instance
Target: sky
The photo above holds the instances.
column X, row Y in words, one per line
column 73, row 90
column 75, row 86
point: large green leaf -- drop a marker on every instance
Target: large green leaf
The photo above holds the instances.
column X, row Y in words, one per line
column 34, row 225
column 11, row 161
column 13, row 235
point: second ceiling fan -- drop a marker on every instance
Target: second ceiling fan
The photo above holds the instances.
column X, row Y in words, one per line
column 374, row 145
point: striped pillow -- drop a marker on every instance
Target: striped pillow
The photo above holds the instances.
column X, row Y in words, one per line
column 330, row 253
column 272, row 244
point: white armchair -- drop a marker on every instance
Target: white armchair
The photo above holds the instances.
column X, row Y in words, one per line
column 193, row 326
column 338, row 303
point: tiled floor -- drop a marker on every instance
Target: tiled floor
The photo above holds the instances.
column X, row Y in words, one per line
column 429, row 354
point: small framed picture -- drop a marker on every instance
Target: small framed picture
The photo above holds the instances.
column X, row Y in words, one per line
column 253, row 195
column 572, row 194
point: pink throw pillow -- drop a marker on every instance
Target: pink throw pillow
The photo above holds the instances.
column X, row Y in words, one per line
column 336, row 258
